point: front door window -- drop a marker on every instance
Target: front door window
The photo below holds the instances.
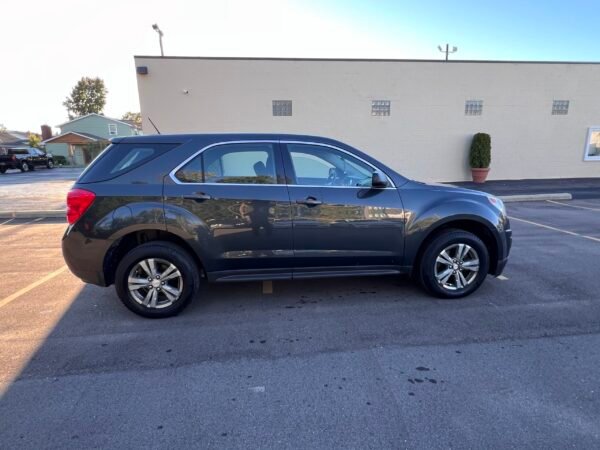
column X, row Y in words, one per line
column 316, row 165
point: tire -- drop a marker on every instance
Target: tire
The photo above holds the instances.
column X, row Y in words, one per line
column 163, row 254
column 24, row 166
column 450, row 241
column 50, row 164
column 2, row 169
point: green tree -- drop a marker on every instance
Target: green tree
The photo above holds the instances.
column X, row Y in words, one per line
column 88, row 96
column 135, row 116
column 34, row 140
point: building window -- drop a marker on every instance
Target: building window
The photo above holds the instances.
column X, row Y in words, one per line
column 380, row 107
column 282, row 107
column 560, row 107
column 592, row 145
column 112, row 129
column 473, row 107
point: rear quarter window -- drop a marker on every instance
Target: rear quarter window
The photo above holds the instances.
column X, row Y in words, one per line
column 118, row 159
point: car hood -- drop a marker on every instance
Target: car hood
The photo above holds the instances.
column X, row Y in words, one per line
column 439, row 187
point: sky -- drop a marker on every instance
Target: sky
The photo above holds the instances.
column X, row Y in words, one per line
column 46, row 46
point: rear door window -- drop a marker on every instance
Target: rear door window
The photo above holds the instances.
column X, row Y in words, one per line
column 118, row 159
column 236, row 163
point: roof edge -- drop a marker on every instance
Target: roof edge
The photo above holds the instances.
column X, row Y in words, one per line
column 70, row 132
column 95, row 114
column 452, row 61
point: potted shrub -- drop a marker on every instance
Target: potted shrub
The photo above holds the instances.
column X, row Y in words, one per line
column 480, row 157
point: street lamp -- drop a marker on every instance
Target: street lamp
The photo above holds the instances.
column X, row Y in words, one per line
column 447, row 51
column 160, row 36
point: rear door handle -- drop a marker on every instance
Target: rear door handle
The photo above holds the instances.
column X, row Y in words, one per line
column 197, row 197
column 309, row 201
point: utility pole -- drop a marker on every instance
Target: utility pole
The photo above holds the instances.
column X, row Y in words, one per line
column 447, row 51
column 160, row 36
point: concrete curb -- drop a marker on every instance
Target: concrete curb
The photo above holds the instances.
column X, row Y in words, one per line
column 43, row 214
column 535, row 197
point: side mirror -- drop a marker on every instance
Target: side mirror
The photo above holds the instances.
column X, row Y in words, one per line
column 379, row 180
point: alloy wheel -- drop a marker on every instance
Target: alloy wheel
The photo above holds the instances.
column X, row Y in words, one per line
column 155, row 283
column 456, row 267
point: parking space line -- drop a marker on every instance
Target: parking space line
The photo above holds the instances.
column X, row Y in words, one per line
column 502, row 278
column 5, row 301
column 574, row 206
column 572, row 233
column 12, row 226
column 9, row 220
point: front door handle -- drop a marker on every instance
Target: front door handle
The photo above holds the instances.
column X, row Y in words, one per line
column 309, row 201
column 197, row 197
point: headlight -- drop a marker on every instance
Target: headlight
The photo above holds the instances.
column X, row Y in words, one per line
column 497, row 203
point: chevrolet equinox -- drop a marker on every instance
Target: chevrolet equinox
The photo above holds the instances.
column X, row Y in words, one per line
column 158, row 215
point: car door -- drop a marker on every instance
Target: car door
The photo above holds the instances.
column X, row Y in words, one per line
column 341, row 223
column 39, row 157
column 233, row 195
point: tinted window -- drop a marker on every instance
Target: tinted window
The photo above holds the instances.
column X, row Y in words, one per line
column 316, row 165
column 117, row 159
column 232, row 163
column 18, row 152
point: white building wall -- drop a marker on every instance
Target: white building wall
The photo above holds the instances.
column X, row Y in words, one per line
column 427, row 135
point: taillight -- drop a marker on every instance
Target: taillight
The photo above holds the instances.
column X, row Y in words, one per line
column 78, row 201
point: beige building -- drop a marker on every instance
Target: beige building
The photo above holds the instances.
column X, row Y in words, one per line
column 416, row 116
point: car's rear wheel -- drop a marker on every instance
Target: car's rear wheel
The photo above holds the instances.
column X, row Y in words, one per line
column 24, row 166
column 454, row 264
column 157, row 279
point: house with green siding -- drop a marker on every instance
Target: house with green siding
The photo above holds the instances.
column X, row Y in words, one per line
column 75, row 137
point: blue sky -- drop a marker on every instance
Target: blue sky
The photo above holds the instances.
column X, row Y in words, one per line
column 58, row 42
column 510, row 29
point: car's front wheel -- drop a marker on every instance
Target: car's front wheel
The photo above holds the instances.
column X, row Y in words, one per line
column 50, row 164
column 24, row 166
column 157, row 279
column 454, row 264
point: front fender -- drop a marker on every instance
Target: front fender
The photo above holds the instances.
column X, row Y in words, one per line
column 429, row 215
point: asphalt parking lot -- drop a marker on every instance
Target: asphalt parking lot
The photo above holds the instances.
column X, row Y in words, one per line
column 346, row 363
column 41, row 189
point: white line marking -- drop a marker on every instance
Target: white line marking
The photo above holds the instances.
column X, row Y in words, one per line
column 574, row 206
column 9, row 220
column 15, row 225
column 502, row 277
column 26, row 289
column 591, row 238
column 257, row 389
column 267, row 287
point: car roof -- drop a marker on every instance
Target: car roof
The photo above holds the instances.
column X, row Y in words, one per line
column 181, row 138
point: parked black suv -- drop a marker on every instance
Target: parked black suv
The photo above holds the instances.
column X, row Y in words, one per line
column 155, row 215
column 25, row 159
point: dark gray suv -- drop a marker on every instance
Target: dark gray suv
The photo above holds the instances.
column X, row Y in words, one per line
column 158, row 215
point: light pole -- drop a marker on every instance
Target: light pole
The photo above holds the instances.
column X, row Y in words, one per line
column 447, row 51
column 160, row 36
